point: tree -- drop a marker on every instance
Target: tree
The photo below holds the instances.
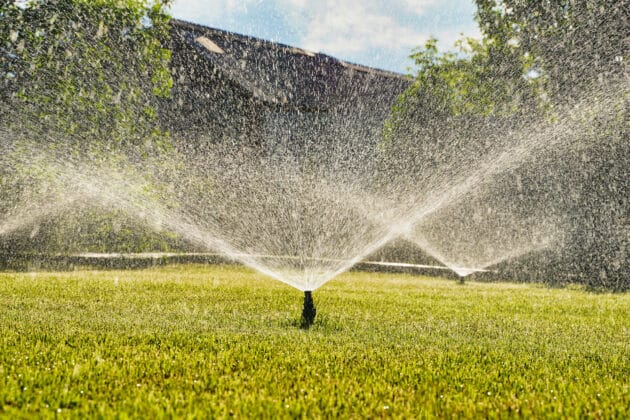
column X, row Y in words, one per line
column 81, row 81
column 573, row 43
column 581, row 47
column 536, row 58
column 532, row 52
column 456, row 102
column 92, row 72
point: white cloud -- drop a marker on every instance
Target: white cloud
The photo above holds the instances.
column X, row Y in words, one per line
column 419, row 7
column 208, row 11
column 349, row 26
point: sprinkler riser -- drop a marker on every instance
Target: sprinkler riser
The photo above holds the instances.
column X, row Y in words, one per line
column 308, row 310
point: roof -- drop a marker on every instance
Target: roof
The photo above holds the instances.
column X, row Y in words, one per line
column 283, row 75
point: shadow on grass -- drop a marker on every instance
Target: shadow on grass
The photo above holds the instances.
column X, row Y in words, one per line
column 323, row 323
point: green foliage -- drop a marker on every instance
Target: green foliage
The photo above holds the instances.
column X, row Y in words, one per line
column 454, row 91
column 468, row 81
column 532, row 54
column 479, row 79
column 86, row 73
column 572, row 43
column 578, row 48
column 82, row 81
column 221, row 341
column 535, row 59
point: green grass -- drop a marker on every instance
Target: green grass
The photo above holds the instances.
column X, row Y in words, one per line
column 193, row 341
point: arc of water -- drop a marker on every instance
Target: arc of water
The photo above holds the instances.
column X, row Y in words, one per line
column 564, row 133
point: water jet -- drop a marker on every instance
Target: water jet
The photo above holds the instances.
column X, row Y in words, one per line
column 310, row 188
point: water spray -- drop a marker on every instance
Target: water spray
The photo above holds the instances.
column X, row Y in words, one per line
column 308, row 311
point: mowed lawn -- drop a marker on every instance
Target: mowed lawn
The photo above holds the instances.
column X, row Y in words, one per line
column 219, row 341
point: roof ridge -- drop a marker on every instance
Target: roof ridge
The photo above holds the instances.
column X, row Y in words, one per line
column 287, row 48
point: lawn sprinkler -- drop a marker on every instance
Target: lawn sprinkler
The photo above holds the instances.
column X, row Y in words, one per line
column 308, row 311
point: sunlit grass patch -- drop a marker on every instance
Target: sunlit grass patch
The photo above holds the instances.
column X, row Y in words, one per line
column 222, row 340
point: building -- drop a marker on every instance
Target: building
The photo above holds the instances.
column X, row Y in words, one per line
column 230, row 87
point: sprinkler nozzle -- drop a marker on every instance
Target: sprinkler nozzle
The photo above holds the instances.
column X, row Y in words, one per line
column 308, row 311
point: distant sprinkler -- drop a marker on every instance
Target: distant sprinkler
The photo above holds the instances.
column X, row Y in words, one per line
column 309, row 311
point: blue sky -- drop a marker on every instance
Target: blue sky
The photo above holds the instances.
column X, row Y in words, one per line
column 377, row 33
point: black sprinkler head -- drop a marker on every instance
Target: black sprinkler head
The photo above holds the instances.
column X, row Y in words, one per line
column 309, row 311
